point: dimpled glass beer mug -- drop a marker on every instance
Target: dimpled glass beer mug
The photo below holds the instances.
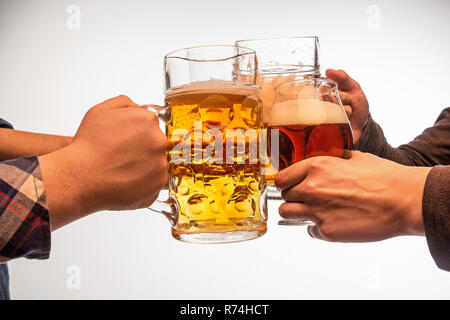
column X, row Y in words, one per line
column 281, row 60
column 212, row 112
column 309, row 120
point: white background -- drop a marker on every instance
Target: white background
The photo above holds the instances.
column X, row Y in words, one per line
column 51, row 72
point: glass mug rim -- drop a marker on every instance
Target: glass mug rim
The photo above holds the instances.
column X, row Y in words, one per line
column 221, row 53
column 332, row 84
column 171, row 55
column 268, row 68
column 277, row 38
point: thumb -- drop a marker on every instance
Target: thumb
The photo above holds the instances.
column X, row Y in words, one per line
column 344, row 81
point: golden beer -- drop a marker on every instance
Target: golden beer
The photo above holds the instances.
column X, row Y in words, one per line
column 214, row 175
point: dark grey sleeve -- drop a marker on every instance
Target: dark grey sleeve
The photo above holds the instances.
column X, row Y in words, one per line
column 430, row 148
column 436, row 215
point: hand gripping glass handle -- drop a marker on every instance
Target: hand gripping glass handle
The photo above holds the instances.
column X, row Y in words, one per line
column 167, row 207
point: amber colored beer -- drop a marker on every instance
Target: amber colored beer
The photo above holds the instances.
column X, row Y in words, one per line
column 299, row 142
column 309, row 129
column 215, row 193
column 268, row 83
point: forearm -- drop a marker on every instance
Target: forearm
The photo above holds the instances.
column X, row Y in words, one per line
column 428, row 149
column 16, row 144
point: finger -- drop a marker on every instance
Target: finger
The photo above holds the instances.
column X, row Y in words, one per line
column 330, row 98
column 314, row 232
column 297, row 172
column 346, row 98
column 294, row 194
column 121, row 101
column 291, row 175
column 297, row 210
column 147, row 203
column 344, row 81
column 348, row 110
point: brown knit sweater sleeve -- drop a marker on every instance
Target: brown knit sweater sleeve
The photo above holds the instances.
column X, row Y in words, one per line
column 431, row 148
column 436, row 215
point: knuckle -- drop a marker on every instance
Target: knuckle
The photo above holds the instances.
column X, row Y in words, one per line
column 344, row 75
column 149, row 118
column 279, row 179
column 357, row 100
column 310, row 187
column 319, row 163
column 161, row 141
column 151, row 115
column 94, row 109
column 329, row 232
column 123, row 98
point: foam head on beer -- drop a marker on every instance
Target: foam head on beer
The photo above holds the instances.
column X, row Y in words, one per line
column 267, row 95
column 306, row 112
column 307, row 128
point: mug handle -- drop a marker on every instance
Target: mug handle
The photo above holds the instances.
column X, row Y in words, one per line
column 167, row 207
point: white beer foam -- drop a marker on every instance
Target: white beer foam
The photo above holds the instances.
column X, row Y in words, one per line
column 306, row 112
column 214, row 86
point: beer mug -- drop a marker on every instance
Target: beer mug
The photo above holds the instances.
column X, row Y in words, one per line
column 212, row 113
column 281, row 60
column 309, row 120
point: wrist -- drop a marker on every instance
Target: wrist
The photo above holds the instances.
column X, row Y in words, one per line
column 413, row 196
column 62, row 176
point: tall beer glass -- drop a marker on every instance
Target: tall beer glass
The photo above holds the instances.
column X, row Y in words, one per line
column 309, row 120
column 281, row 60
column 212, row 111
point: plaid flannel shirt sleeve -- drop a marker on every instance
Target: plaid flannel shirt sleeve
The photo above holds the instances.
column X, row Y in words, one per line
column 24, row 218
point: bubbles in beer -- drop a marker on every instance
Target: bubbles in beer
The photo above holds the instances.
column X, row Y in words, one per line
column 214, row 207
column 253, row 186
column 249, row 111
column 183, row 190
column 215, row 111
column 227, row 188
column 211, row 196
column 196, row 204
